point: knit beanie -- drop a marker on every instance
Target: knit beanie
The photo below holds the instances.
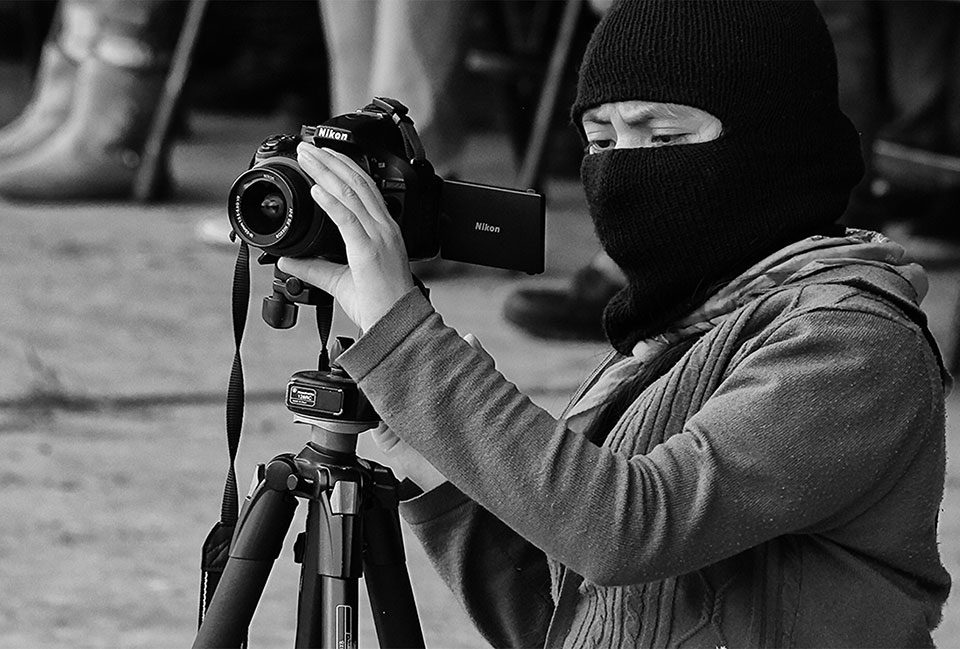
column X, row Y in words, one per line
column 680, row 218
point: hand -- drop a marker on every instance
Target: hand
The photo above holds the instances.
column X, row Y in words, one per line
column 377, row 273
column 405, row 461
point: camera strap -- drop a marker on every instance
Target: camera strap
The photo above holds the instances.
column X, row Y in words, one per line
column 412, row 145
column 216, row 547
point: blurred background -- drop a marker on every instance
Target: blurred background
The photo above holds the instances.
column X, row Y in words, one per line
column 123, row 124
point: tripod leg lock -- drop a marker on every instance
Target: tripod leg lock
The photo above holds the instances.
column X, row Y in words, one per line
column 345, row 498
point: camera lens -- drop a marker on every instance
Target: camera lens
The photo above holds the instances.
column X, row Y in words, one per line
column 273, row 206
column 270, row 207
column 263, row 207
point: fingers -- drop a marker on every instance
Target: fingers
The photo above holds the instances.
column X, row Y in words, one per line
column 350, row 225
column 343, row 180
column 325, row 275
column 385, row 438
column 349, row 171
column 475, row 343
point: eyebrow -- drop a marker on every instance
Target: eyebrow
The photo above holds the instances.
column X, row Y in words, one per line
column 651, row 112
column 594, row 115
column 643, row 114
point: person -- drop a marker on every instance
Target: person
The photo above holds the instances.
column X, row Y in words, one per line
column 898, row 86
column 102, row 71
column 760, row 459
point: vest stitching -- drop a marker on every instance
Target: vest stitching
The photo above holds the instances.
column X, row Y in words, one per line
column 705, row 610
column 656, row 618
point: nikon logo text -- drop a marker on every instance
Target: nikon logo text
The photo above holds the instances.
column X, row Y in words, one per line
column 486, row 227
column 332, row 134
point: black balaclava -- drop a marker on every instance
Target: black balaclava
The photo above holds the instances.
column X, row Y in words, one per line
column 679, row 219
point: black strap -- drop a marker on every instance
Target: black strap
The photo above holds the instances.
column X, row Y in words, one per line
column 324, row 311
column 399, row 113
column 240, row 302
column 217, row 544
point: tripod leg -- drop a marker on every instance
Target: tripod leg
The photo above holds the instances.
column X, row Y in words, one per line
column 261, row 529
column 327, row 611
column 385, row 568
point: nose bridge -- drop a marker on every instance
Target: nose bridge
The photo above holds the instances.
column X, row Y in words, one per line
column 632, row 138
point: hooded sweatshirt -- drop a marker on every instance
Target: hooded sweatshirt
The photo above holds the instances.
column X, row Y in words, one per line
column 779, row 486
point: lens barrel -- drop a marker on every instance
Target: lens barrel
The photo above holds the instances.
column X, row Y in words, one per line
column 270, row 207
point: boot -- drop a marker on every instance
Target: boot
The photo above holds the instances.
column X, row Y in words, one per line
column 48, row 108
column 574, row 313
column 96, row 152
column 77, row 25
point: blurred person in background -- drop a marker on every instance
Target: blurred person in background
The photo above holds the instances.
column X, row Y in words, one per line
column 898, row 63
column 899, row 82
column 760, row 459
column 101, row 73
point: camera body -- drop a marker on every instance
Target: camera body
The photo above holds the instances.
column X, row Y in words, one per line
column 270, row 206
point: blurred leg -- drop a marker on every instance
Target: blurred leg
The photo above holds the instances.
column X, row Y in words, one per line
column 856, row 29
column 77, row 25
column 921, row 39
column 349, row 28
column 418, row 48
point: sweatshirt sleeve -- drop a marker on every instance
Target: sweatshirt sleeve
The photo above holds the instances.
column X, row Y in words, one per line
column 502, row 581
column 795, row 436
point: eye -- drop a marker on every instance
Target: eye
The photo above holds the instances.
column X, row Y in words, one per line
column 662, row 139
column 595, row 146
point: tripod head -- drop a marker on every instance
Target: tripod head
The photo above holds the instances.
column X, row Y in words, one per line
column 331, row 403
column 326, row 399
column 280, row 309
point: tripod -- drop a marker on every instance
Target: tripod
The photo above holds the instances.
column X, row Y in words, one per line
column 353, row 524
column 352, row 527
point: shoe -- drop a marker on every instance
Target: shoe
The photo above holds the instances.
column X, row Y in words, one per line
column 47, row 110
column 96, row 152
column 931, row 236
column 572, row 314
column 933, row 252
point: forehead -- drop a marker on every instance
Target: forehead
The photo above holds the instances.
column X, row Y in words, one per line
column 637, row 109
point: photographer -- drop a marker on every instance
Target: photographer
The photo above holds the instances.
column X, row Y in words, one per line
column 761, row 460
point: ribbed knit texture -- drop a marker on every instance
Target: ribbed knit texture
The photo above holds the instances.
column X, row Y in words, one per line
column 754, row 64
column 678, row 219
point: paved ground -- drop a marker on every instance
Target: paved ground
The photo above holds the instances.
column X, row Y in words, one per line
column 106, row 501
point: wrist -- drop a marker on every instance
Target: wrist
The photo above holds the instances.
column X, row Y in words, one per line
column 425, row 476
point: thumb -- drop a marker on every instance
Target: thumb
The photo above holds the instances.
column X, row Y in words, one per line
column 386, row 439
column 321, row 273
column 475, row 343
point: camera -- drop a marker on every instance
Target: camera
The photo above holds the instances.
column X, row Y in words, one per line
column 270, row 206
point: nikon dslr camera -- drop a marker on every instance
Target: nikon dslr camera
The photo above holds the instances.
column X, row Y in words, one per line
column 270, row 206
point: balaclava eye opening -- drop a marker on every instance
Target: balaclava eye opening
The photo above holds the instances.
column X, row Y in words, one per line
column 680, row 219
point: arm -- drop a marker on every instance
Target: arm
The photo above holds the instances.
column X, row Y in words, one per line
column 787, row 442
column 501, row 580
